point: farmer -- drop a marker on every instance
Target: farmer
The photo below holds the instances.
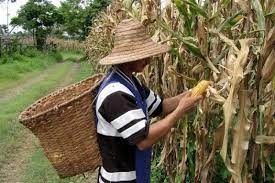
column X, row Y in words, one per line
column 124, row 107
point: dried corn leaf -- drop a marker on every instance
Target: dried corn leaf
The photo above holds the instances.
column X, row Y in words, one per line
column 269, row 116
column 225, row 39
column 215, row 96
column 269, row 44
column 262, row 139
column 217, row 144
column 268, row 70
column 241, row 136
column 237, row 76
column 202, row 37
column 211, row 65
column 201, row 153
column 164, row 4
column 173, row 71
column 244, row 4
column 191, row 54
column 182, row 165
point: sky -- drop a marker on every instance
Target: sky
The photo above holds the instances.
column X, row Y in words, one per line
column 14, row 7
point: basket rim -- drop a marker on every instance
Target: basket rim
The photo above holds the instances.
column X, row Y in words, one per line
column 24, row 119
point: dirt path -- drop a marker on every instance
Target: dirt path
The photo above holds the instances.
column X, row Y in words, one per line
column 9, row 93
column 13, row 171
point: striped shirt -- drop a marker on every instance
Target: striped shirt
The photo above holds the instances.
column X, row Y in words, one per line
column 121, row 125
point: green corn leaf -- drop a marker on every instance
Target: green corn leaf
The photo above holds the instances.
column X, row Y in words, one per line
column 270, row 13
column 191, row 47
column 223, row 5
column 195, row 8
column 190, row 44
column 186, row 16
column 182, row 8
column 230, row 22
column 260, row 17
column 272, row 162
column 226, row 2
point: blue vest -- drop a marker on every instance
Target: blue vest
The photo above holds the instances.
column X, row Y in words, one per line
column 142, row 158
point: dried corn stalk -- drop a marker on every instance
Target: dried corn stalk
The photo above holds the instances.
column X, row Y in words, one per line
column 66, row 44
column 229, row 42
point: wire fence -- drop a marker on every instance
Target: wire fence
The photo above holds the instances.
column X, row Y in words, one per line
column 9, row 45
column 16, row 44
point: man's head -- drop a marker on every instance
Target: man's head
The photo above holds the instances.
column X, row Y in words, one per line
column 132, row 46
column 135, row 66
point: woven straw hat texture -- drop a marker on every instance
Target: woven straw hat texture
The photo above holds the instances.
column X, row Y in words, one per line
column 64, row 123
column 132, row 43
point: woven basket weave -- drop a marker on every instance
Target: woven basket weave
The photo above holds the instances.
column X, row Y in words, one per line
column 64, row 124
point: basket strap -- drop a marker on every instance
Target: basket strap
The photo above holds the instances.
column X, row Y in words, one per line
column 101, row 85
column 142, row 158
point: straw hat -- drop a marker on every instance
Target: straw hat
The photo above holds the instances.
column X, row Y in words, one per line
column 132, row 44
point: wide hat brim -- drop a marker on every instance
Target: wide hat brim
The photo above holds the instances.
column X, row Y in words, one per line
column 132, row 55
column 132, row 44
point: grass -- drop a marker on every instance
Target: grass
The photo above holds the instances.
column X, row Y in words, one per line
column 16, row 67
column 20, row 69
column 10, row 129
column 85, row 71
column 39, row 169
column 71, row 56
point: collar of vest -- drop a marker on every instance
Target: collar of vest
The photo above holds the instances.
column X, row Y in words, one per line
column 123, row 75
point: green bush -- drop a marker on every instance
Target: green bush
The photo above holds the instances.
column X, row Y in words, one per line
column 17, row 57
column 31, row 52
column 5, row 59
column 158, row 174
column 57, row 56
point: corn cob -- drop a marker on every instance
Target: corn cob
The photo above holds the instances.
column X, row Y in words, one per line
column 200, row 88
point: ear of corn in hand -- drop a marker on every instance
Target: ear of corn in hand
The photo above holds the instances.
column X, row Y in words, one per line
column 200, row 88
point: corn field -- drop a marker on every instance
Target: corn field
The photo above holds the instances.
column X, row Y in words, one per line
column 12, row 44
column 230, row 137
column 68, row 45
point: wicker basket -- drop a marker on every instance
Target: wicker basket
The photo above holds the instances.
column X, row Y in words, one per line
column 64, row 123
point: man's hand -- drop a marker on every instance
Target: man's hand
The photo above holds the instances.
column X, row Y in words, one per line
column 185, row 93
column 187, row 103
column 171, row 104
column 163, row 126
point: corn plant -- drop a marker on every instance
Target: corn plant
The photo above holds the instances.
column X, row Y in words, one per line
column 68, row 45
column 230, row 137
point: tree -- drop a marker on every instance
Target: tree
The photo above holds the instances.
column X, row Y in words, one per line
column 78, row 16
column 73, row 12
column 38, row 17
column 8, row 0
column 92, row 11
column 3, row 29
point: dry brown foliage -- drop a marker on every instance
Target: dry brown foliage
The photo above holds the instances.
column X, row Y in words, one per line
column 228, row 42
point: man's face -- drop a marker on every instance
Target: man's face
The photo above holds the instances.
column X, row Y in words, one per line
column 139, row 65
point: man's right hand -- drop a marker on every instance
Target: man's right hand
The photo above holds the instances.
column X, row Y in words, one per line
column 163, row 126
column 187, row 103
